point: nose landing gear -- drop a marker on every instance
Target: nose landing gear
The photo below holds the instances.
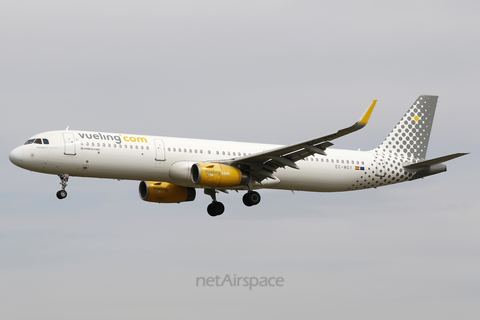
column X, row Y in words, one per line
column 62, row 194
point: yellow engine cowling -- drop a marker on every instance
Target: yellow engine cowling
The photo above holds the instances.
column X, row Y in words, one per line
column 164, row 192
column 217, row 175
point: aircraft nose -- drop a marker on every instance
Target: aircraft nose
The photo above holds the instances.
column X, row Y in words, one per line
column 16, row 156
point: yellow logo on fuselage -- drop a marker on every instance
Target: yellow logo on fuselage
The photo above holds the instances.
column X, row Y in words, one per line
column 134, row 139
column 117, row 138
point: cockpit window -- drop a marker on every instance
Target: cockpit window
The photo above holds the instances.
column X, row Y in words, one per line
column 38, row 141
column 30, row 141
column 45, row 141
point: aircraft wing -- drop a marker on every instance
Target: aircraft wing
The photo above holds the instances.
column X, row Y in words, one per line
column 262, row 165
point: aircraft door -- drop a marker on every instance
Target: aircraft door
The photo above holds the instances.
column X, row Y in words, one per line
column 69, row 140
column 159, row 150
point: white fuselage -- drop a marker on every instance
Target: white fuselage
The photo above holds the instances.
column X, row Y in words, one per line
column 150, row 158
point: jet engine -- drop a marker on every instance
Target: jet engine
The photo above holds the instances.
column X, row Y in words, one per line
column 217, row 175
column 164, row 192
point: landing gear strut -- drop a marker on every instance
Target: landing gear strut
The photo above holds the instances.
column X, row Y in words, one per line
column 62, row 194
column 215, row 208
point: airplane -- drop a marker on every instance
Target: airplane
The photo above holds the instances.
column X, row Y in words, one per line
column 171, row 169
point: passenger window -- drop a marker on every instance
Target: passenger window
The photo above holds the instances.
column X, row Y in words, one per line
column 136, row 147
column 45, row 141
column 147, row 148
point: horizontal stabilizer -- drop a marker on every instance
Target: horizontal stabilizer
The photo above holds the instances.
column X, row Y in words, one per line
column 427, row 163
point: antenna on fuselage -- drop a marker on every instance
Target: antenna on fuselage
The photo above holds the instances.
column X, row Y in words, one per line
column 67, row 128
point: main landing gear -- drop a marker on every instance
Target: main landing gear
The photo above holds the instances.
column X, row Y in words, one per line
column 62, row 194
column 251, row 198
column 215, row 208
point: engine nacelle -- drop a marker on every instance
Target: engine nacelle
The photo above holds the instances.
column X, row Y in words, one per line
column 217, row 175
column 164, row 192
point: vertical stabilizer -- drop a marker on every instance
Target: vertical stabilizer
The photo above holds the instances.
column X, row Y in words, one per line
column 411, row 135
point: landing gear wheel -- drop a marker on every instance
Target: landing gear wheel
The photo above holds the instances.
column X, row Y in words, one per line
column 215, row 208
column 251, row 198
column 62, row 194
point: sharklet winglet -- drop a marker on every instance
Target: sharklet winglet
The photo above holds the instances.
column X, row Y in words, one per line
column 366, row 116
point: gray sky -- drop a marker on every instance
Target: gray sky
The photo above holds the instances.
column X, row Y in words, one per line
column 271, row 71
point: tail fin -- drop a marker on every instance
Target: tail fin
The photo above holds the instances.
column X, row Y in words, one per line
column 411, row 135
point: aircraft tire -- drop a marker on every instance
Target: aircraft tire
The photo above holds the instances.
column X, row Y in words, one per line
column 62, row 194
column 251, row 198
column 215, row 209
